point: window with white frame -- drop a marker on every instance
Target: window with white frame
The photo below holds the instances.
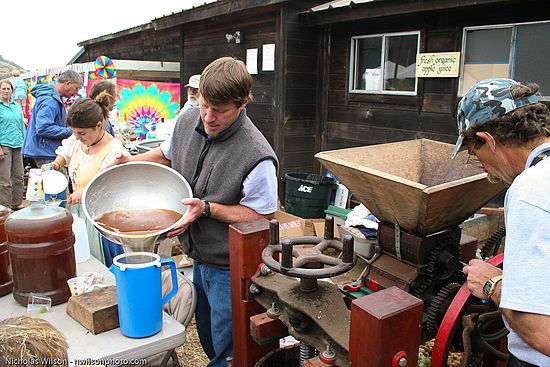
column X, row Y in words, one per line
column 516, row 51
column 384, row 63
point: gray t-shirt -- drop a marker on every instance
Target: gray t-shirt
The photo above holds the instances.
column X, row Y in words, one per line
column 526, row 274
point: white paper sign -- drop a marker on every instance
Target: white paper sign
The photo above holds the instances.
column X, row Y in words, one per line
column 252, row 60
column 437, row 65
column 268, row 57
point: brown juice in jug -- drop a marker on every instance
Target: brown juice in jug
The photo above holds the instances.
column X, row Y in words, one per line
column 41, row 247
column 6, row 282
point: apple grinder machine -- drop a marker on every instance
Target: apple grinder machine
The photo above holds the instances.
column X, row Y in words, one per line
column 411, row 290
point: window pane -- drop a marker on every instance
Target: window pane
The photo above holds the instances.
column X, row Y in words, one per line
column 368, row 56
column 488, row 45
column 487, row 55
column 400, row 63
column 532, row 54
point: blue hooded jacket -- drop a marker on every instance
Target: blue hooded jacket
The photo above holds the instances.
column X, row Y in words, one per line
column 47, row 123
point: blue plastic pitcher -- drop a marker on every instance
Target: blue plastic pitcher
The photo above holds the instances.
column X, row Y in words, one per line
column 139, row 292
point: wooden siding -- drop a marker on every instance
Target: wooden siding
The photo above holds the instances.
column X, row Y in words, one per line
column 300, row 128
column 284, row 104
column 355, row 119
column 205, row 41
column 147, row 45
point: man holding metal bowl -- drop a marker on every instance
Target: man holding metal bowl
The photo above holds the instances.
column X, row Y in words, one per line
column 232, row 170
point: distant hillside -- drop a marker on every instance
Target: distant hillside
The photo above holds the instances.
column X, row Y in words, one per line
column 7, row 66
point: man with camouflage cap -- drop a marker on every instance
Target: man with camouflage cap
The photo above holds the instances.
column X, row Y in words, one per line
column 502, row 123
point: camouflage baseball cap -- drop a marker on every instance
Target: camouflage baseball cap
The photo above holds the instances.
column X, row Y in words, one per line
column 484, row 101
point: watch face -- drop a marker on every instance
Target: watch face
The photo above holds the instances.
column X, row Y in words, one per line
column 487, row 287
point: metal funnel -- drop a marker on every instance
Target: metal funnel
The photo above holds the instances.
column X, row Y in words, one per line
column 135, row 186
column 412, row 183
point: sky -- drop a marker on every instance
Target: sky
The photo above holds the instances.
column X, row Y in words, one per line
column 39, row 34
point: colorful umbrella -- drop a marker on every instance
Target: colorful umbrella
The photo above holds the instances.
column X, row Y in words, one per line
column 104, row 67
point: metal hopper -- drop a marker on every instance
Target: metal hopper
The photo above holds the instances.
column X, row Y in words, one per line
column 413, row 183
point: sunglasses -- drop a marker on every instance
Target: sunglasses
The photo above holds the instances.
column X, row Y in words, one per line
column 472, row 159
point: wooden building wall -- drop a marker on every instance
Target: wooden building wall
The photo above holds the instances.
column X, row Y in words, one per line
column 297, row 90
column 284, row 104
column 205, row 41
column 145, row 45
column 351, row 119
column 284, row 107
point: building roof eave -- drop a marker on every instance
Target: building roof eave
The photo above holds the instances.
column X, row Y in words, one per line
column 111, row 36
column 340, row 11
column 77, row 55
column 210, row 10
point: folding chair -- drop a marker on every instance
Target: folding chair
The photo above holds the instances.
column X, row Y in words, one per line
column 182, row 308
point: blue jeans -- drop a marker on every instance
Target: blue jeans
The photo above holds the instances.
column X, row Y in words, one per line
column 213, row 312
column 110, row 250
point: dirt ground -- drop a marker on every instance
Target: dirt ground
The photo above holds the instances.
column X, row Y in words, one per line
column 191, row 354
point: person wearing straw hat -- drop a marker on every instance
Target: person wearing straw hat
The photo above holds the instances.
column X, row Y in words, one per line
column 503, row 125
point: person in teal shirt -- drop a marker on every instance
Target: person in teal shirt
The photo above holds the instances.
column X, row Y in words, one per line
column 12, row 134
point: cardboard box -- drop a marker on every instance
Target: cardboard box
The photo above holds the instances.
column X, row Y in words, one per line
column 341, row 198
column 316, row 227
column 289, row 225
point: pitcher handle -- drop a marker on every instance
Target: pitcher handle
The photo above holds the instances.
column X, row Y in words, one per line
column 173, row 272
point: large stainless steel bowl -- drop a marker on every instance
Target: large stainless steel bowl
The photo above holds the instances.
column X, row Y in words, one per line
column 135, row 186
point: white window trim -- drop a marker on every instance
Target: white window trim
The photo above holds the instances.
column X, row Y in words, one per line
column 511, row 54
column 353, row 65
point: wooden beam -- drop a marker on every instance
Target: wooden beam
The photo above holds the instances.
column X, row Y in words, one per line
column 377, row 9
column 209, row 11
column 246, row 243
column 391, row 322
column 183, row 93
column 280, row 91
column 265, row 329
column 323, row 88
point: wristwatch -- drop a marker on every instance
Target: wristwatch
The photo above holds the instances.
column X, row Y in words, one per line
column 206, row 212
column 490, row 286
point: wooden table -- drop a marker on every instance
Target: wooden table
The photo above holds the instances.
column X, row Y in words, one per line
column 111, row 347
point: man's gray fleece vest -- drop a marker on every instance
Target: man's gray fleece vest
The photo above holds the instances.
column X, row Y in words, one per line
column 215, row 168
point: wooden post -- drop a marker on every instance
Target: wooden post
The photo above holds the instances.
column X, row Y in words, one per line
column 385, row 328
column 246, row 242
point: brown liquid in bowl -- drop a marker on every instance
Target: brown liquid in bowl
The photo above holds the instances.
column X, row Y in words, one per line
column 138, row 222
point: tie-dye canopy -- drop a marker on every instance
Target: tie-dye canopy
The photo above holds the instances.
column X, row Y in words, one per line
column 144, row 104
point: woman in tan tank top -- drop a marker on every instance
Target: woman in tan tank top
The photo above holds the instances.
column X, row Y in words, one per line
column 85, row 153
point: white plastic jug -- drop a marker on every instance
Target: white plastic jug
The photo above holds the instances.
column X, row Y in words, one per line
column 81, row 246
column 54, row 182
